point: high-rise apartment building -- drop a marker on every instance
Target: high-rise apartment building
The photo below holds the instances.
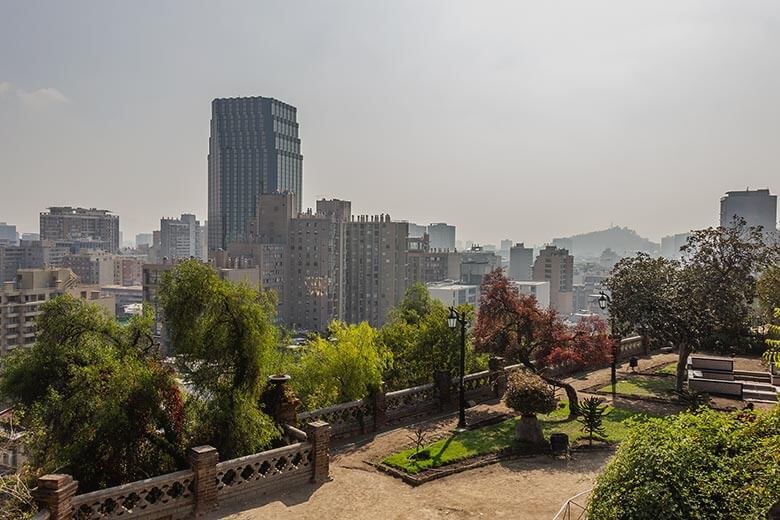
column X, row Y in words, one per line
column 557, row 267
column 757, row 207
column 521, row 261
column 254, row 148
column 376, row 267
column 91, row 267
column 86, row 227
column 442, row 236
column 181, row 238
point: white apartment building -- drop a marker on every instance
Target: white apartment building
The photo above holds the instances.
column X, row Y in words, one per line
column 541, row 290
column 454, row 294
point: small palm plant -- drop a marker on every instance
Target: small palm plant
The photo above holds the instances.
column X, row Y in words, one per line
column 592, row 418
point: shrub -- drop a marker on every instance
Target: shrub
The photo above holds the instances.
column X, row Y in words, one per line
column 703, row 465
column 528, row 394
column 592, row 419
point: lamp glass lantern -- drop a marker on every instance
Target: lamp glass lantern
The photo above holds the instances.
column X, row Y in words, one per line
column 452, row 319
column 603, row 301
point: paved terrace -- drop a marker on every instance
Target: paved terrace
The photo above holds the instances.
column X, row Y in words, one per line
column 530, row 488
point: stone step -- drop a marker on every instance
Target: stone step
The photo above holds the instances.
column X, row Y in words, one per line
column 761, row 387
column 760, row 395
column 743, row 375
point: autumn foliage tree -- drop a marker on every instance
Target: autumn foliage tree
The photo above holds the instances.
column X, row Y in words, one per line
column 512, row 325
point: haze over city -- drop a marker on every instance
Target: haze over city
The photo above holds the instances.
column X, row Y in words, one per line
column 524, row 120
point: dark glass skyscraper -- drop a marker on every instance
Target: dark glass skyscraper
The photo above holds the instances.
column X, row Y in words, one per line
column 254, row 148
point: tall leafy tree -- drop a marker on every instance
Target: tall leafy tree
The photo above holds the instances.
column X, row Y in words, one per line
column 726, row 261
column 512, row 325
column 226, row 342
column 421, row 342
column 768, row 292
column 345, row 367
column 96, row 401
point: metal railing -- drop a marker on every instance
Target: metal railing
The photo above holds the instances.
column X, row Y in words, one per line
column 575, row 508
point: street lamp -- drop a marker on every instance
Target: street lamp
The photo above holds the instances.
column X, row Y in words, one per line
column 453, row 320
column 604, row 302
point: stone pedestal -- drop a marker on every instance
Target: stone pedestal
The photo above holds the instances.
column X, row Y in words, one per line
column 318, row 433
column 280, row 401
column 203, row 461
column 55, row 493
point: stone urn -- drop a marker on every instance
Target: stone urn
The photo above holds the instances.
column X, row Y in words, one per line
column 280, row 400
column 528, row 429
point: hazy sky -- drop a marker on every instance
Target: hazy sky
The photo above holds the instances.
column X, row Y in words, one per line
column 522, row 120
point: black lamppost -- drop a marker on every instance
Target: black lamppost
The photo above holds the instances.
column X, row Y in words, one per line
column 604, row 302
column 453, row 320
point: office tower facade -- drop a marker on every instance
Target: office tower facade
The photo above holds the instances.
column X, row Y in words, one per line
column 521, row 261
column 180, row 237
column 376, row 267
column 29, row 254
column 8, row 235
column 670, row 245
column 143, row 239
column 85, row 228
column 757, row 207
column 557, row 267
column 442, row 236
column 254, row 148
column 476, row 263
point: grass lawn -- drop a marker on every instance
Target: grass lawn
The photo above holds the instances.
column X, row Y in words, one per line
column 649, row 387
column 669, row 370
column 494, row 438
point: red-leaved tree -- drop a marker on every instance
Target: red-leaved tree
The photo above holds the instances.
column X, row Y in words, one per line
column 586, row 345
column 512, row 325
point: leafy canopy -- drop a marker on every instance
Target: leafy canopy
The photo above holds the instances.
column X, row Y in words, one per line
column 225, row 340
column 95, row 400
column 345, row 368
column 421, row 341
column 693, row 466
column 528, row 394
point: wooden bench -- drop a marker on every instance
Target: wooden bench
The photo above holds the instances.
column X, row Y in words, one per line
column 712, row 364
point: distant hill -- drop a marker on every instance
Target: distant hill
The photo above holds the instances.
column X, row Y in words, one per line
column 621, row 240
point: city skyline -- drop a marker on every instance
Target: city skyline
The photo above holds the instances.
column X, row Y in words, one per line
column 641, row 116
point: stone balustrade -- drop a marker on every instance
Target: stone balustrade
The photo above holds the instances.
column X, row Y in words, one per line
column 197, row 490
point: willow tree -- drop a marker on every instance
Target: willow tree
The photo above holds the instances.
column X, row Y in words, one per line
column 225, row 342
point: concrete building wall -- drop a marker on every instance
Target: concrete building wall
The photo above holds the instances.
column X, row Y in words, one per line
column 540, row 290
column 521, row 261
column 376, row 267
column 557, row 267
column 442, row 236
column 452, row 295
column 757, row 207
column 66, row 223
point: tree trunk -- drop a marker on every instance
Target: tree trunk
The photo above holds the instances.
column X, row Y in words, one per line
column 684, row 351
column 529, row 430
column 571, row 393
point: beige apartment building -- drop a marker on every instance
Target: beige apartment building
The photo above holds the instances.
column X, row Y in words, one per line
column 376, row 267
column 21, row 300
column 557, row 267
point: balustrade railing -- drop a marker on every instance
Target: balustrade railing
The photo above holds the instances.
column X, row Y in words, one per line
column 150, row 498
column 260, row 472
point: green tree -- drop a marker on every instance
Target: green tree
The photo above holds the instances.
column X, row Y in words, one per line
column 226, row 342
column 772, row 353
column 94, row 398
column 346, row 367
column 421, row 342
column 726, row 261
column 707, row 465
column 592, row 418
column 768, row 291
